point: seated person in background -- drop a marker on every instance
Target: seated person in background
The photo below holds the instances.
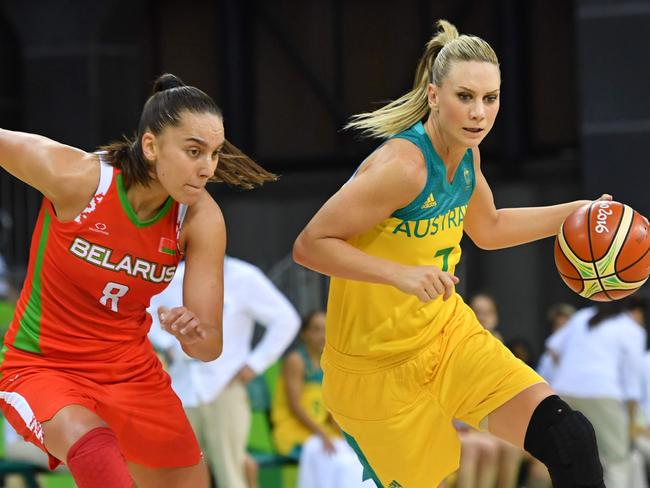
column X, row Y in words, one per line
column 485, row 308
column 7, row 299
column 486, row 461
column 7, row 290
column 4, row 279
column 214, row 393
column 599, row 372
column 640, row 431
column 522, row 349
column 557, row 316
column 479, row 458
column 536, row 473
column 302, row 427
column 16, row 449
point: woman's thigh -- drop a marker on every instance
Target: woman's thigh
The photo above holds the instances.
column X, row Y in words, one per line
column 510, row 420
column 187, row 477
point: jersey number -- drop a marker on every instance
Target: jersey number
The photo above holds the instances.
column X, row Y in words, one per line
column 112, row 294
column 445, row 257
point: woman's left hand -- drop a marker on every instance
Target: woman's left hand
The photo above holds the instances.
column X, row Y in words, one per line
column 182, row 323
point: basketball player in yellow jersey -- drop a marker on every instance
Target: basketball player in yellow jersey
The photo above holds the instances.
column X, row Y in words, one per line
column 404, row 354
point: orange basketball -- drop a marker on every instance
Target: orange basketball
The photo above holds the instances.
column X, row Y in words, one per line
column 602, row 251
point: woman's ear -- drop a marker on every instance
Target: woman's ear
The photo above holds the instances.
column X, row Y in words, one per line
column 149, row 147
column 432, row 97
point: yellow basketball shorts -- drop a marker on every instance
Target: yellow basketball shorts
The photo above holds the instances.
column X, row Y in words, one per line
column 399, row 418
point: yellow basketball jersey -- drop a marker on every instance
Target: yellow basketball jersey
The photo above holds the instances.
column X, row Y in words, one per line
column 288, row 431
column 378, row 322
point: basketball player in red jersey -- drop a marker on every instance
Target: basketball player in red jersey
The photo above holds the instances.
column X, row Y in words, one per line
column 78, row 376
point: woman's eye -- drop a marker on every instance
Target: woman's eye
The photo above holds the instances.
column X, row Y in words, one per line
column 464, row 96
column 492, row 98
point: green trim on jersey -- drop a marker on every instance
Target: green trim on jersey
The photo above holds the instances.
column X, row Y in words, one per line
column 438, row 196
column 28, row 335
column 312, row 374
column 126, row 205
column 368, row 472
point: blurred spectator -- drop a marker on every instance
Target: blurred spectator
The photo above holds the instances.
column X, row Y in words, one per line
column 302, row 427
column 600, row 352
column 479, row 458
column 486, row 450
column 638, row 309
column 5, row 288
column 214, row 394
column 485, row 308
column 16, row 449
column 537, row 475
column 522, row 349
column 557, row 316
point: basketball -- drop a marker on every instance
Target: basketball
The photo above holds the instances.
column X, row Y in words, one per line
column 601, row 250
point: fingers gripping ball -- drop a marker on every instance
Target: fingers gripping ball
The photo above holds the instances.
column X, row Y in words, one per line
column 601, row 251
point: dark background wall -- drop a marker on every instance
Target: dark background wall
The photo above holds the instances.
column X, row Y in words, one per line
column 288, row 73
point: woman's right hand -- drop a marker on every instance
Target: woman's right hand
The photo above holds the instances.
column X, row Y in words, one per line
column 328, row 445
column 425, row 282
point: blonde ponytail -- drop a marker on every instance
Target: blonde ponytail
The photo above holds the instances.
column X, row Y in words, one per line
column 442, row 49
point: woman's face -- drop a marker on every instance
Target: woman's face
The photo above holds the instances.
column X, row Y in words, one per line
column 186, row 155
column 467, row 102
column 314, row 334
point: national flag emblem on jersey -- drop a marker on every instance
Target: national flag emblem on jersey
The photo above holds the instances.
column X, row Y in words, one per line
column 430, row 202
column 167, row 246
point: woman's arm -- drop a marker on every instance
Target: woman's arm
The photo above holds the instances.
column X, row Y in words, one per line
column 490, row 228
column 390, row 179
column 198, row 324
column 64, row 175
column 271, row 309
column 293, row 371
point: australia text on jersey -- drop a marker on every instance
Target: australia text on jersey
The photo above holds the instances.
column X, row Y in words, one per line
column 427, row 227
column 101, row 256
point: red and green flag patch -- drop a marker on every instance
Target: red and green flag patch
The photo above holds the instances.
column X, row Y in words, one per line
column 167, row 246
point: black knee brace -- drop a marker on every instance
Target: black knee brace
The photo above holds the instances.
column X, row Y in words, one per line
column 564, row 440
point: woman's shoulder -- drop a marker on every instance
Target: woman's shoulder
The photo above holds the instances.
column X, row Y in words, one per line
column 77, row 182
column 203, row 223
column 397, row 160
column 205, row 211
column 294, row 359
column 401, row 149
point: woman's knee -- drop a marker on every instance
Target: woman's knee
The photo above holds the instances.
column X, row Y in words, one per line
column 67, row 426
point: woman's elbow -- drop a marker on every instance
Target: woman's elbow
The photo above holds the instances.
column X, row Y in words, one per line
column 214, row 352
column 482, row 242
column 218, row 349
column 300, row 251
column 487, row 246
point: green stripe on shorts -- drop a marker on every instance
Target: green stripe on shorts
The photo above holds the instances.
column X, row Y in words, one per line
column 368, row 472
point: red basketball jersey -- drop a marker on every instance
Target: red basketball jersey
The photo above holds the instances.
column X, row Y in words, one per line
column 89, row 282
